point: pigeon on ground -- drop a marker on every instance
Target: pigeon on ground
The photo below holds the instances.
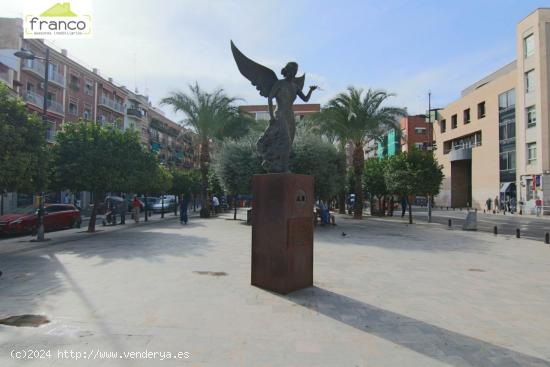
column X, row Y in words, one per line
column 344, row 234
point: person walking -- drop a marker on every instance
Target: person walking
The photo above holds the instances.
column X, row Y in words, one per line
column 488, row 204
column 135, row 208
column 184, row 204
column 497, row 208
column 215, row 204
column 403, row 206
column 122, row 208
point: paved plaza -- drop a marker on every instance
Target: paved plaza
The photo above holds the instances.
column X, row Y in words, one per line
column 386, row 294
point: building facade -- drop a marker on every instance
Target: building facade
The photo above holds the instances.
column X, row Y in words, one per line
column 416, row 132
column 261, row 112
column 494, row 141
column 76, row 93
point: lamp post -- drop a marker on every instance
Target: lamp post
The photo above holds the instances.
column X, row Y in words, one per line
column 430, row 145
column 28, row 55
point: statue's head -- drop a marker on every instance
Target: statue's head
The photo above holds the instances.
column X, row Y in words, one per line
column 290, row 70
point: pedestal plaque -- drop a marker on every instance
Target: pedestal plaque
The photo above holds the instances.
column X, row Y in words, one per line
column 282, row 232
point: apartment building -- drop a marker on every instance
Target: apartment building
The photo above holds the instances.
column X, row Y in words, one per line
column 261, row 112
column 494, row 141
column 416, row 132
column 77, row 93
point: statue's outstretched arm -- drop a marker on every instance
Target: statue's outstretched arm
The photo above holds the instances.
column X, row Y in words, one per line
column 304, row 97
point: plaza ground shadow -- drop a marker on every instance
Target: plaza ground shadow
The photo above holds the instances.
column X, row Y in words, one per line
column 432, row 341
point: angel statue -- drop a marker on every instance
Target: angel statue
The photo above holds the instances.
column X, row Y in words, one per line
column 275, row 144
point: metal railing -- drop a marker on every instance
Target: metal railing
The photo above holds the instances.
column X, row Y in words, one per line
column 38, row 101
column 462, row 146
column 40, row 69
column 110, row 103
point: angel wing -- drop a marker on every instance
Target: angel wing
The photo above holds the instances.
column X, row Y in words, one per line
column 300, row 81
column 261, row 77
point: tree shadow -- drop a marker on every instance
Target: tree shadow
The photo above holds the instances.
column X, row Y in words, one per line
column 432, row 341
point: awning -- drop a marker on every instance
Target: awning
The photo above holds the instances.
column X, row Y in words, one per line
column 505, row 186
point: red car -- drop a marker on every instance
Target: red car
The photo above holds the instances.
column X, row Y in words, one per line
column 56, row 216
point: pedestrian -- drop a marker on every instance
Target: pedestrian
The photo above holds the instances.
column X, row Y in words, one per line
column 122, row 208
column 136, row 204
column 66, row 199
column 538, row 204
column 488, row 204
column 215, row 204
column 512, row 205
column 403, row 206
column 184, row 204
column 497, row 207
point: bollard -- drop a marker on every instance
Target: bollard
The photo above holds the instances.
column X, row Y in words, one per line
column 547, row 238
column 450, row 223
column 495, row 231
column 447, row 208
column 483, row 210
column 517, row 233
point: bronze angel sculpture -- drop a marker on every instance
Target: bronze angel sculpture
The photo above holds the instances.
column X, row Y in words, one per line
column 276, row 142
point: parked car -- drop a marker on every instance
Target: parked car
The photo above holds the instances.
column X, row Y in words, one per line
column 168, row 204
column 56, row 216
column 151, row 200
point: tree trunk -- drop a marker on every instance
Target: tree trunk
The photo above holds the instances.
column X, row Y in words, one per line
column 358, row 167
column 342, row 202
column 204, row 162
column 410, row 210
column 235, row 207
column 93, row 216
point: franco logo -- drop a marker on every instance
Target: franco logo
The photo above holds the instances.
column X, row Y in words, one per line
column 59, row 20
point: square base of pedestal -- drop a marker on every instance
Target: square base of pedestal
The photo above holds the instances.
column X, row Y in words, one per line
column 282, row 232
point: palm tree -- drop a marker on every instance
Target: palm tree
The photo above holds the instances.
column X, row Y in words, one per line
column 206, row 114
column 355, row 117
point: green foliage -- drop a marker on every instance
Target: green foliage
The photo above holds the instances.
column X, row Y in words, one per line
column 237, row 162
column 373, row 177
column 355, row 117
column 185, row 181
column 314, row 156
column 23, row 152
column 214, row 183
column 413, row 173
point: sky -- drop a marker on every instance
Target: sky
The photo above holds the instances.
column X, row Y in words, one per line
column 405, row 47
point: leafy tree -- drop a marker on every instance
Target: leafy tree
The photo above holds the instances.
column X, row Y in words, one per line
column 23, row 150
column 89, row 157
column 374, row 180
column 355, row 117
column 206, row 114
column 237, row 162
column 314, row 156
column 413, row 173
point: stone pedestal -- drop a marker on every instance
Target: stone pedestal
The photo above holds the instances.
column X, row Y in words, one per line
column 282, row 232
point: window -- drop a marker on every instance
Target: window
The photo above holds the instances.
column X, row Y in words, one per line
column 530, row 81
column 508, row 161
column 531, row 153
column 507, row 131
column 88, row 88
column 262, row 116
column 420, row 130
column 531, row 116
column 507, row 99
column 30, row 87
column 73, row 108
column 528, row 45
column 481, row 110
column 454, row 122
column 467, row 116
column 419, row 146
column 443, row 126
column 74, row 83
column 87, row 113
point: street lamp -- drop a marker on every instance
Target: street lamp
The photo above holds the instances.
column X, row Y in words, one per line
column 28, row 55
column 430, row 144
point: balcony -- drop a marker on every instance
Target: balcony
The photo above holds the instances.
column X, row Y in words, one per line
column 111, row 104
column 39, row 69
column 38, row 101
column 135, row 112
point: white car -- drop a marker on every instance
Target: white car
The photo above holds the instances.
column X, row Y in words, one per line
column 167, row 203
